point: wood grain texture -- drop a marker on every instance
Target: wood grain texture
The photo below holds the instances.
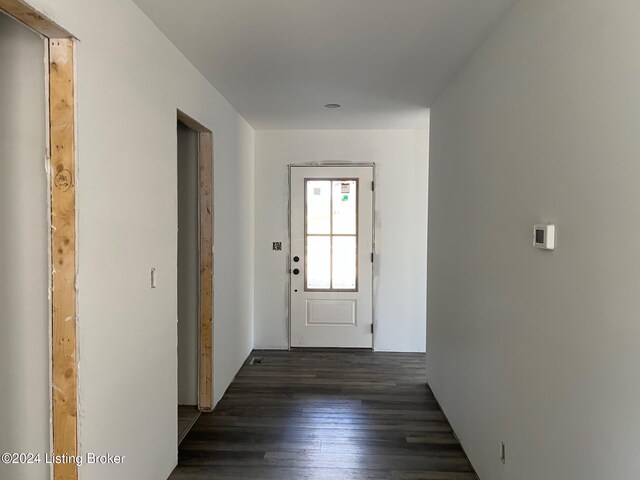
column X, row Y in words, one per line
column 63, row 254
column 205, row 160
column 24, row 13
column 325, row 414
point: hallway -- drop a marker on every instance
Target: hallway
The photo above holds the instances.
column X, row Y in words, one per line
column 325, row 414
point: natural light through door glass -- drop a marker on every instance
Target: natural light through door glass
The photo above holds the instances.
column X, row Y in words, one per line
column 319, row 262
column 318, row 207
column 344, row 262
column 344, row 207
column 331, row 234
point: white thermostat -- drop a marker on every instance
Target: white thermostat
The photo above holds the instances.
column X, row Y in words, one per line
column 544, row 236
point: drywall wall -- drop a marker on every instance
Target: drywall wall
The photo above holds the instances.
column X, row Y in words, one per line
column 188, row 266
column 540, row 349
column 401, row 158
column 24, row 270
column 131, row 80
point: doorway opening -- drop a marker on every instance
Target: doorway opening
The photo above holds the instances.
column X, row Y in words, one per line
column 24, row 242
column 58, row 147
column 332, row 253
column 188, row 279
column 195, row 272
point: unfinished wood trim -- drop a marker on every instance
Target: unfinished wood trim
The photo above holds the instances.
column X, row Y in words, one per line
column 205, row 161
column 61, row 109
column 64, row 373
column 205, row 228
column 190, row 122
column 33, row 19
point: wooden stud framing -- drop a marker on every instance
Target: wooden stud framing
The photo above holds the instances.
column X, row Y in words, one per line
column 191, row 123
column 33, row 19
column 64, row 373
column 205, row 202
column 62, row 127
column 205, row 161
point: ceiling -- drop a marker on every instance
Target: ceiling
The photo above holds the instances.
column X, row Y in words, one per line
column 278, row 62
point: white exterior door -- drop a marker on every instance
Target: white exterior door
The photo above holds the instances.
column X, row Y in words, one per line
column 331, row 256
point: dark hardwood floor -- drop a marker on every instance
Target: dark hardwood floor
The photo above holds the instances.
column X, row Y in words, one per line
column 187, row 416
column 325, row 414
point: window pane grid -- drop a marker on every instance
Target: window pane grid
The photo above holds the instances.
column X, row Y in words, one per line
column 331, row 236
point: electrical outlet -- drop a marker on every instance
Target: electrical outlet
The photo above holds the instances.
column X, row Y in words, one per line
column 503, row 455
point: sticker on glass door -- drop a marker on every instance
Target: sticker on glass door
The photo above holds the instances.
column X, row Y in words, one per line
column 331, row 235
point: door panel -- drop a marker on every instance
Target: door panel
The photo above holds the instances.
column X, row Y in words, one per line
column 332, row 240
column 331, row 312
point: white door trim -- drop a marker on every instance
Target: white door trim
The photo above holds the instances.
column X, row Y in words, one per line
column 332, row 163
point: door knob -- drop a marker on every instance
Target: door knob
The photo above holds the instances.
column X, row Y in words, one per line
column 296, row 271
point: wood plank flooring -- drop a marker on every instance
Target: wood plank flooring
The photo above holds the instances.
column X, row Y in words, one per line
column 187, row 416
column 325, row 414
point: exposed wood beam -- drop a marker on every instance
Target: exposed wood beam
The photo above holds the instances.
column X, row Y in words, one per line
column 205, row 160
column 63, row 255
column 191, row 123
column 33, row 19
column 62, row 127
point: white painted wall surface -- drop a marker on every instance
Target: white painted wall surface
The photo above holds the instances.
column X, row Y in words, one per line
column 188, row 265
column 539, row 349
column 402, row 161
column 24, row 271
column 131, row 80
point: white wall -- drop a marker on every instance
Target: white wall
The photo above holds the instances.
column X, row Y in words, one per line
column 538, row 349
column 402, row 159
column 188, row 266
column 24, row 277
column 131, row 79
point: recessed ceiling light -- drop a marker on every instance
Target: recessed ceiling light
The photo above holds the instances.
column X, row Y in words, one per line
column 332, row 105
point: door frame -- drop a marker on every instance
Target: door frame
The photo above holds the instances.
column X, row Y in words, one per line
column 205, row 260
column 331, row 163
column 62, row 164
column 60, row 90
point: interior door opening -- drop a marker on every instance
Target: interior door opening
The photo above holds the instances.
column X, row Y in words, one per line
column 331, row 287
column 195, row 271
column 188, row 279
column 24, row 243
column 60, row 157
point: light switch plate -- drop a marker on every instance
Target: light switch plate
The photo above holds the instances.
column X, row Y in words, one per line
column 544, row 236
